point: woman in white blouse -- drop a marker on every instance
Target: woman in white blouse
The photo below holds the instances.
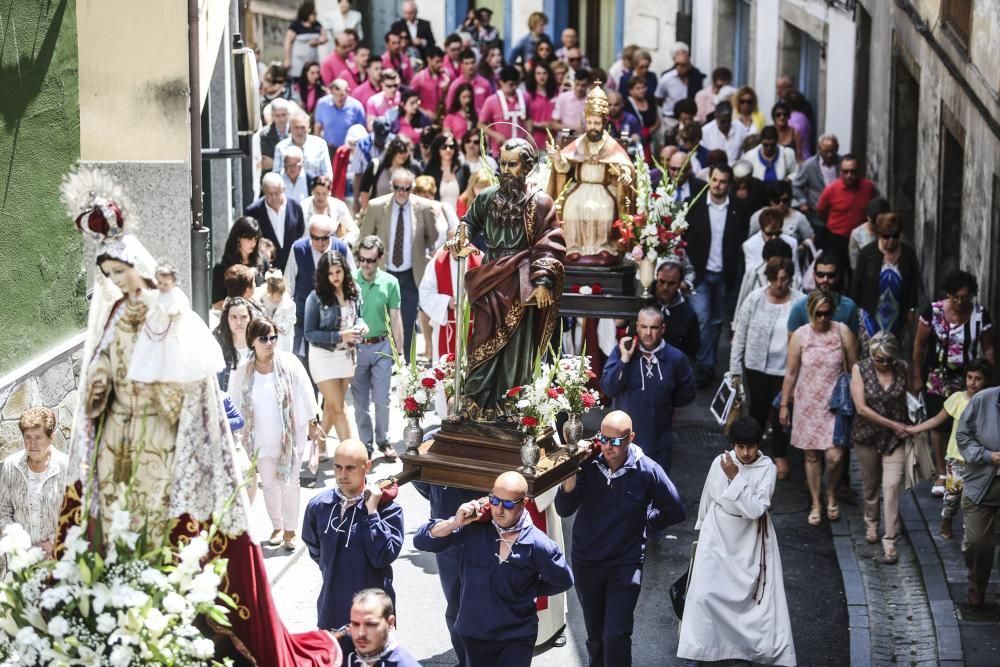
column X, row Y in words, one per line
column 272, row 391
column 760, row 346
column 32, row 481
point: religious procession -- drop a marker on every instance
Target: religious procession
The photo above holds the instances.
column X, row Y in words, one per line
column 510, row 351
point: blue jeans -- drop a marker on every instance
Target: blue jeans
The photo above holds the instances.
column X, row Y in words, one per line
column 708, row 299
column 372, row 377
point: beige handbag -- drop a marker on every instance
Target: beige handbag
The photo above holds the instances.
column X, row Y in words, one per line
column 918, row 464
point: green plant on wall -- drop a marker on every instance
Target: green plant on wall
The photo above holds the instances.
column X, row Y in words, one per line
column 41, row 270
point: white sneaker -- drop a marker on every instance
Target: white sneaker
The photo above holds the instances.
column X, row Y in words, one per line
column 938, row 489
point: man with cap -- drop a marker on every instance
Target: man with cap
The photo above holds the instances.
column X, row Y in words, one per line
column 352, row 535
column 505, row 563
column 618, row 495
column 372, row 631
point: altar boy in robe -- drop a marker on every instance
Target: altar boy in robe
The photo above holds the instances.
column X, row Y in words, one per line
column 736, row 607
column 505, row 564
column 647, row 378
column 352, row 536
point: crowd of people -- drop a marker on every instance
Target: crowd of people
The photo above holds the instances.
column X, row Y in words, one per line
column 366, row 164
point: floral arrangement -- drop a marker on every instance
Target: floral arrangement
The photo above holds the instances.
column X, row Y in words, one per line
column 125, row 607
column 534, row 406
column 658, row 225
column 586, row 290
column 573, row 373
column 415, row 387
column 444, row 373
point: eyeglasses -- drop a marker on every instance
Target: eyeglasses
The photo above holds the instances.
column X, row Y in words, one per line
column 266, row 340
column 894, row 235
column 613, row 441
column 367, row 260
column 448, row 147
column 824, row 314
column 825, row 274
column 402, row 188
column 780, row 114
column 746, row 100
column 507, row 504
column 320, row 238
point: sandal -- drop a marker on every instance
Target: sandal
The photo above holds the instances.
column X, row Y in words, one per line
column 815, row 517
column 832, row 512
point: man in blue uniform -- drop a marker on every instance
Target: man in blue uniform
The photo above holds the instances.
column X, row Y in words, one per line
column 505, row 563
column 351, row 537
column 373, row 624
column 647, row 379
column 616, row 495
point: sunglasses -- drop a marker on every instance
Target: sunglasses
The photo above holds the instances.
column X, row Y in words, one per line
column 890, row 236
column 273, row 338
column 825, row 274
column 320, row 238
column 449, row 147
column 824, row 314
column 402, row 188
column 506, row 504
column 746, row 101
column 367, row 260
column 614, row 442
column 781, row 114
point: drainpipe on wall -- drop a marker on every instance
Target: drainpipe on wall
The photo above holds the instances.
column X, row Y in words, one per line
column 200, row 297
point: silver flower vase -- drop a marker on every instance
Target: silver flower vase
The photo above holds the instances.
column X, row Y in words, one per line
column 413, row 435
column 572, row 430
column 529, row 455
column 647, row 276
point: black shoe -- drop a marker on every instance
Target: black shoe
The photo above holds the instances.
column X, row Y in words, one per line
column 703, row 377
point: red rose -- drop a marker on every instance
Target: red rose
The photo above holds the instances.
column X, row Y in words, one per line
column 560, row 391
column 439, row 374
column 575, row 288
column 511, row 393
column 528, row 420
column 596, row 289
column 450, row 359
column 410, row 404
column 588, row 400
column 428, row 382
column 552, row 392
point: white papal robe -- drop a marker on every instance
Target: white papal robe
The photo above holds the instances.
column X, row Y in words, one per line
column 736, row 608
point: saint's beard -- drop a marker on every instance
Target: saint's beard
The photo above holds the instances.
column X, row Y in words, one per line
column 509, row 199
column 594, row 136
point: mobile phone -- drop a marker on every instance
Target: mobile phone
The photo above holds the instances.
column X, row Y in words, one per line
column 632, row 333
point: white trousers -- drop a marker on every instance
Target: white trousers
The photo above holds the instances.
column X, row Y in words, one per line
column 281, row 498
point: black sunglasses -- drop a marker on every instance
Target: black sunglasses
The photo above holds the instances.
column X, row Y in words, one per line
column 824, row 314
column 367, row 260
column 891, row 236
column 613, row 441
column 402, row 188
column 320, row 238
column 507, row 504
column 273, row 338
column 825, row 274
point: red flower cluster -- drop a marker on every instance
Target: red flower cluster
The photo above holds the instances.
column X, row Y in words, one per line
column 450, row 358
column 588, row 400
column 439, row 374
column 511, row 393
column 552, row 392
column 428, row 383
column 528, row 420
column 410, row 404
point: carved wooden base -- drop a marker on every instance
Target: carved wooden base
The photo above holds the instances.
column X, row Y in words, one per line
column 470, row 455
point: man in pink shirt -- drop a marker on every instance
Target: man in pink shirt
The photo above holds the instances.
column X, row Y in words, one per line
column 568, row 110
column 395, row 59
column 337, row 65
column 372, row 84
column 481, row 88
column 452, row 58
column 507, row 108
column 379, row 104
column 431, row 83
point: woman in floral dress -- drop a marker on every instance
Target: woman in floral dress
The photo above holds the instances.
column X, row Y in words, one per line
column 817, row 354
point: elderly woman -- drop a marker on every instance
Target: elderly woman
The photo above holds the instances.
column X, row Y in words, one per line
column 272, row 391
column 950, row 333
column 878, row 389
column 817, row 354
column 32, row 481
column 886, row 280
column 759, row 349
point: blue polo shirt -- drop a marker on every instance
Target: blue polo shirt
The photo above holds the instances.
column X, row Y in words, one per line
column 376, row 297
column 336, row 121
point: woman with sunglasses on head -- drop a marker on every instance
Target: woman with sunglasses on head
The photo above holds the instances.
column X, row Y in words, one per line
column 450, row 176
column 272, row 391
column 878, row 389
column 376, row 180
column 886, row 281
column 333, row 327
column 950, row 333
column 788, row 136
column 818, row 353
column 745, row 111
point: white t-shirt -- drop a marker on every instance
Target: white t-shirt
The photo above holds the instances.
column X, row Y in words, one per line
column 266, row 416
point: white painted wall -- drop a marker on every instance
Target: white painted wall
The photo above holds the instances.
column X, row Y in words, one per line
column 842, row 34
column 703, row 35
column 652, row 24
column 765, row 53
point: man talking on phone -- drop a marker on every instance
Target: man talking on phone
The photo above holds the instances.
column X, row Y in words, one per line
column 647, row 379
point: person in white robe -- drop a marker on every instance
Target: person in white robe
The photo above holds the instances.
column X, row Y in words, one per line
column 736, row 607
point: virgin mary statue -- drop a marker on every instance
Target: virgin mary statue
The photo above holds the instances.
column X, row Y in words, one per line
column 150, row 416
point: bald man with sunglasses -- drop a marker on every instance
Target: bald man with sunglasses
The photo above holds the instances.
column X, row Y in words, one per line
column 505, row 564
column 618, row 496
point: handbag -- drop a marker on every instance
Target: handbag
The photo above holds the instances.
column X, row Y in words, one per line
column 917, row 462
column 316, row 433
column 678, row 591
